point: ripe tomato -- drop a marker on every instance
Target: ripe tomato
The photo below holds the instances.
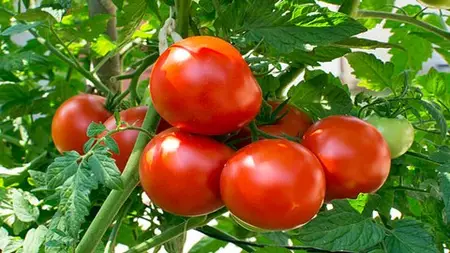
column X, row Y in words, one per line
column 180, row 172
column 203, row 85
column 294, row 123
column 439, row 4
column 398, row 133
column 354, row 154
column 126, row 139
column 273, row 184
column 72, row 119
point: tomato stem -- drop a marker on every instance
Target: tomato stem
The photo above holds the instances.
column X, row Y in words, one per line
column 149, row 60
column 169, row 234
column 183, row 9
column 115, row 230
column 406, row 19
column 247, row 246
column 116, row 198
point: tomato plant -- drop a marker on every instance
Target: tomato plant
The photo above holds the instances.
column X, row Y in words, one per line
column 126, row 139
column 202, row 85
column 292, row 186
column 398, row 133
column 69, row 182
column 354, row 154
column 72, row 119
column 440, row 4
column 192, row 164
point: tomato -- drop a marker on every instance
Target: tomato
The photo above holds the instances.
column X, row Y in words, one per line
column 294, row 123
column 398, row 133
column 203, row 85
column 180, row 172
column 72, row 119
column 273, row 184
column 354, row 154
column 126, row 139
column 439, row 4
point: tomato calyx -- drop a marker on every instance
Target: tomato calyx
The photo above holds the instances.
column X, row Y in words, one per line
column 269, row 115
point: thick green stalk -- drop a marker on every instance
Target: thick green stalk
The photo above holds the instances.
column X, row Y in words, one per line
column 175, row 231
column 406, row 19
column 115, row 200
column 183, row 8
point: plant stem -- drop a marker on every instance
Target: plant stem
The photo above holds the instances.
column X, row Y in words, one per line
column 115, row 231
column 175, row 231
column 286, row 79
column 350, row 7
column 115, row 200
column 409, row 189
column 219, row 235
column 149, row 60
column 123, row 77
column 183, row 8
column 406, row 19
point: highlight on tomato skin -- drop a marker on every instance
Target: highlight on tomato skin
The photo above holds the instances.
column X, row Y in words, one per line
column 355, row 157
column 273, row 184
column 72, row 118
column 180, row 172
column 203, row 85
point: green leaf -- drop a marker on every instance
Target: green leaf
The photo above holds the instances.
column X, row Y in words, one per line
column 321, row 96
column 409, row 236
column 19, row 28
column 130, row 17
column 88, row 145
column 341, row 229
column 444, row 182
column 437, row 116
column 305, row 24
column 269, row 85
column 4, row 238
column 365, row 44
column 23, row 209
column 434, row 82
column 34, row 239
column 62, row 168
column 18, row 61
column 317, row 55
column 105, row 169
column 95, row 129
column 207, row 244
column 75, row 203
column 373, row 73
column 272, row 250
column 112, row 144
column 103, row 45
column 33, row 15
column 375, row 5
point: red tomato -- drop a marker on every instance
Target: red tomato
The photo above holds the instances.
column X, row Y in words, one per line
column 126, row 139
column 273, row 184
column 294, row 123
column 72, row 119
column 354, row 154
column 203, row 85
column 180, row 172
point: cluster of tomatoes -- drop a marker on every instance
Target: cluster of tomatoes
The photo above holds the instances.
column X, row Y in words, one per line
column 203, row 88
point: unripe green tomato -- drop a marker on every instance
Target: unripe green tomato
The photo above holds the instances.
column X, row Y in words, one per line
column 398, row 133
column 439, row 4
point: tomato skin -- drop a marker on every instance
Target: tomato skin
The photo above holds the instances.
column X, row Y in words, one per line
column 294, row 123
column 354, row 154
column 180, row 172
column 203, row 85
column 273, row 184
column 439, row 4
column 126, row 139
column 398, row 133
column 72, row 119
